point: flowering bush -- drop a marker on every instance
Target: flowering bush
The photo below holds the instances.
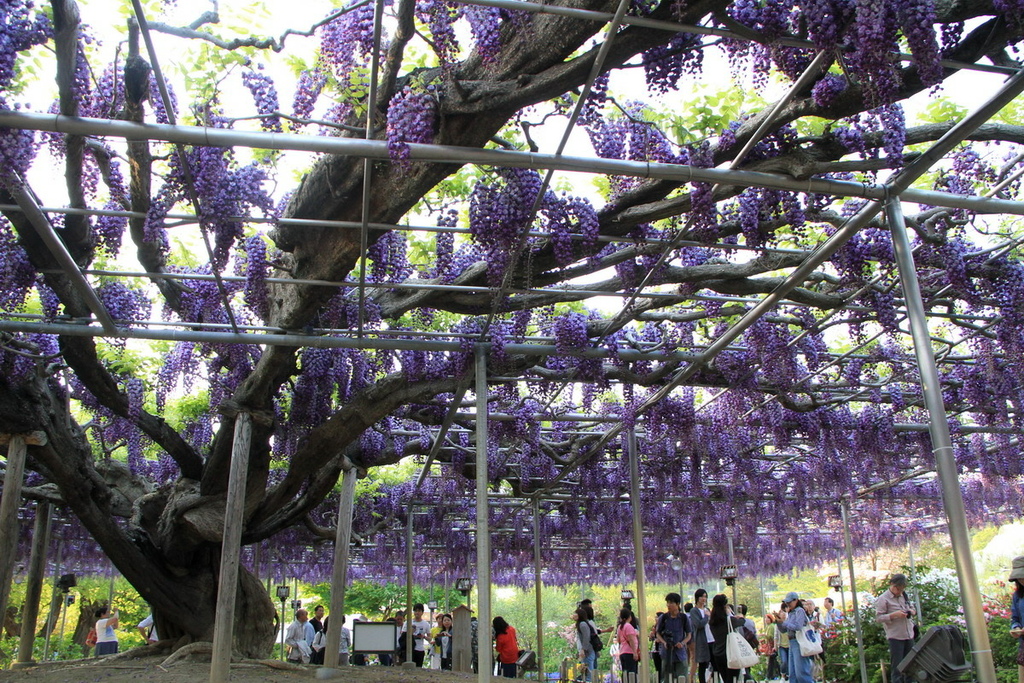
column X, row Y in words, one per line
column 939, row 593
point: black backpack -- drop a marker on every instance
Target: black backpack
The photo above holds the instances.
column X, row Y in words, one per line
column 595, row 639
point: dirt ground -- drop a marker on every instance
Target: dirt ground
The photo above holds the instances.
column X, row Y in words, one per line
column 126, row 667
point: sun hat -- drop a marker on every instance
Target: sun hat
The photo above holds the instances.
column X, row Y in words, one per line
column 791, row 596
column 1017, row 571
column 898, row 580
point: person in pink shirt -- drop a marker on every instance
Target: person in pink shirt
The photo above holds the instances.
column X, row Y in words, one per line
column 629, row 645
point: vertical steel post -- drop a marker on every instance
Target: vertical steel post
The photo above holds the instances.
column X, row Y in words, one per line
column 842, row 591
column 845, row 509
column 339, row 573
column 483, row 531
column 538, row 584
column 638, row 547
column 942, row 446
column 408, row 664
column 732, row 561
column 230, row 553
column 913, row 579
column 764, row 601
column 50, row 618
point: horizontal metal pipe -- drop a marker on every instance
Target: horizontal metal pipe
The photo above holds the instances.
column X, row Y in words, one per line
column 377, row 149
column 180, row 218
column 298, row 339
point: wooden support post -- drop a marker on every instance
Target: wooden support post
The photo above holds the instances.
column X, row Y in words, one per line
column 34, row 584
column 9, row 504
column 230, row 554
column 339, row 575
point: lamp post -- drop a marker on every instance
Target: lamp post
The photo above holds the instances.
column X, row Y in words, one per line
column 677, row 566
column 728, row 573
column 65, row 583
column 282, row 595
column 464, row 585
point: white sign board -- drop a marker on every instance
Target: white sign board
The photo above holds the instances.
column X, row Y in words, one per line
column 374, row 636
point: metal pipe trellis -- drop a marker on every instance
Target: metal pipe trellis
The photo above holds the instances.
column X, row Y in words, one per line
column 942, row 447
column 449, row 154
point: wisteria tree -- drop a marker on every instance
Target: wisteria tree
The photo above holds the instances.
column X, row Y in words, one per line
column 822, row 392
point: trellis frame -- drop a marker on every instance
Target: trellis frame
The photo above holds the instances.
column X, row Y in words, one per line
column 890, row 193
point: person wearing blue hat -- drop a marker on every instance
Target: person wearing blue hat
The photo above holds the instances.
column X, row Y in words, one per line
column 796, row 620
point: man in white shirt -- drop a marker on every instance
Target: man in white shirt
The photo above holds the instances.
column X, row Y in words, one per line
column 148, row 630
column 295, row 639
column 420, row 635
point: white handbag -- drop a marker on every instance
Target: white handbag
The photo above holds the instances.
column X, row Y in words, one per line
column 809, row 640
column 738, row 653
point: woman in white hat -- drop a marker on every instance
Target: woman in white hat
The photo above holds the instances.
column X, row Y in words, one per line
column 1017, row 612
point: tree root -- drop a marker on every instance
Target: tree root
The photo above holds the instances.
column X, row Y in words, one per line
column 201, row 648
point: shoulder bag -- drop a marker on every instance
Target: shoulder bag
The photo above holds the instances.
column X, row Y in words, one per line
column 810, row 641
column 738, row 653
column 595, row 639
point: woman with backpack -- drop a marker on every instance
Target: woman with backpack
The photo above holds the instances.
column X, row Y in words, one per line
column 590, row 641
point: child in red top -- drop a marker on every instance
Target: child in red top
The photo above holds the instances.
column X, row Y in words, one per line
column 507, row 647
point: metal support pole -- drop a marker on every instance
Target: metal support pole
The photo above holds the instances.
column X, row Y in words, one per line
column 110, row 584
column 9, row 504
column 845, row 509
column 339, row 575
column 34, row 584
column 53, row 600
column 764, row 600
column 230, row 553
column 942, row 447
column 483, row 532
column 842, row 591
column 283, row 623
column 638, row 547
column 732, row 561
column 63, row 616
column 408, row 664
column 913, row 580
column 537, row 585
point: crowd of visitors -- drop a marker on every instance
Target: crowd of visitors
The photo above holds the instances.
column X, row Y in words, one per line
column 305, row 640
column 688, row 642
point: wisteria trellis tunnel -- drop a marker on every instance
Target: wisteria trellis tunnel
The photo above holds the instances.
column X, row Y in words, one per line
column 347, row 328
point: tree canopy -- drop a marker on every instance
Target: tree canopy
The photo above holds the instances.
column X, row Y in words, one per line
column 341, row 304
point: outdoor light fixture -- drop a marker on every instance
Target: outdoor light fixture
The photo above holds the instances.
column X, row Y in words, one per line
column 728, row 574
column 835, row 581
column 626, row 594
column 677, row 564
column 282, row 593
column 464, row 585
column 66, row 582
column 432, row 605
column 296, row 604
